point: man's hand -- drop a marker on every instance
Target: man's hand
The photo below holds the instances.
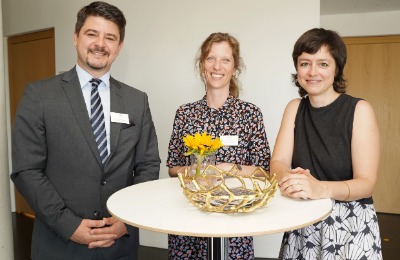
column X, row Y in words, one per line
column 112, row 227
column 83, row 235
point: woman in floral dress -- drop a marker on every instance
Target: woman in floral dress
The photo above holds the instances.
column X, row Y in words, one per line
column 328, row 147
column 221, row 114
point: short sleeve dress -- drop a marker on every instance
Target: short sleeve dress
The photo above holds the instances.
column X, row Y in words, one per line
column 235, row 117
column 322, row 144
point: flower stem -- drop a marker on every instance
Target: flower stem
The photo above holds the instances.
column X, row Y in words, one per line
column 198, row 164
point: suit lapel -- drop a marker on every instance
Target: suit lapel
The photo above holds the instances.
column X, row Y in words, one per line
column 117, row 106
column 74, row 94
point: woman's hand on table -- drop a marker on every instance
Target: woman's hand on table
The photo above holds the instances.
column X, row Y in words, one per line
column 226, row 167
column 174, row 171
column 241, row 170
column 301, row 184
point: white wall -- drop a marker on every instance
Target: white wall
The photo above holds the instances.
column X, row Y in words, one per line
column 162, row 38
column 363, row 24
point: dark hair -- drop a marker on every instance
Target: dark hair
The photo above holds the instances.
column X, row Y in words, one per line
column 311, row 42
column 234, row 85
column 105, row 10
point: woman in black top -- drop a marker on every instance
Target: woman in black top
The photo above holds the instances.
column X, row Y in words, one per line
column 328, row 147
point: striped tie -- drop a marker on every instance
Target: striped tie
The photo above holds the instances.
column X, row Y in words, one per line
column 97, row 120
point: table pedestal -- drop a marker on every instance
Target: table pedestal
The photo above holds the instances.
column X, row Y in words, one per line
column 217, row 248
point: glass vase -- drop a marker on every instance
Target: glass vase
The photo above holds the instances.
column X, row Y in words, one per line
column 200, row 162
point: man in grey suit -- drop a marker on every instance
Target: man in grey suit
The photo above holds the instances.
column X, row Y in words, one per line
column 64, row 168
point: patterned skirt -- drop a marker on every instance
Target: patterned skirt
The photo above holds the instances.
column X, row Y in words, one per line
column 351, row 231
column 185, row 247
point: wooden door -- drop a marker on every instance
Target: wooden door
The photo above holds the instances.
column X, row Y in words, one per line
column 373, row 73
column 31, row 57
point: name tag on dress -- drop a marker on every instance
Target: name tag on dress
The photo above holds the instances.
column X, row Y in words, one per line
column 229, row 140
column 119, row 118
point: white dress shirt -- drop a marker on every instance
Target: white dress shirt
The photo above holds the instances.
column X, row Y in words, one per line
column 104, row 92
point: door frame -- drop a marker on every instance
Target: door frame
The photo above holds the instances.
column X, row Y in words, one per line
column 381, row 193
column 13, row 96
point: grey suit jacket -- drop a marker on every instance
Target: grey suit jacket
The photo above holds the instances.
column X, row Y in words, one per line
column 57, row 167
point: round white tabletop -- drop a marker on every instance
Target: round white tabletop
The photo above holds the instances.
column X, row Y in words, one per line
column 161, row 206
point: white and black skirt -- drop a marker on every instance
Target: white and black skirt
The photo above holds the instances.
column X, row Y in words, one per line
column 351, row 231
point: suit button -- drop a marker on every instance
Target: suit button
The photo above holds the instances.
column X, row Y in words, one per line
column 103, row 182
column 96, row 213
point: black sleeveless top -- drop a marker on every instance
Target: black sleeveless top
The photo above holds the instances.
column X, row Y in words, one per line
column 322, row 139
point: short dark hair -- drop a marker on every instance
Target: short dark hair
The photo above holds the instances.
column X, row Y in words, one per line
column 105, row 10
column 234, row 85
column 311, row 42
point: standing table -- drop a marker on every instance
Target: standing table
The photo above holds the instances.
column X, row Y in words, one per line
column 161, row 206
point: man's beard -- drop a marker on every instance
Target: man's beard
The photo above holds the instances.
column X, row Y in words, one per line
column 97, row 66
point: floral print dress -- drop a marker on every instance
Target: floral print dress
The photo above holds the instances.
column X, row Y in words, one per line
column 234, row 118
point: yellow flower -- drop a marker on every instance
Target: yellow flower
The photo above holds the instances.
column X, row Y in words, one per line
column 201, row 144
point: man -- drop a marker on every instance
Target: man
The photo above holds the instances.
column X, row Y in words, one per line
column 78, row 138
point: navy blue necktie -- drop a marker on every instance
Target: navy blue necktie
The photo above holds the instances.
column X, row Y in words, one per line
column 97, row 120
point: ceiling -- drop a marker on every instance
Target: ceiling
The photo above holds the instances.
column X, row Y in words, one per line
column 358, row 6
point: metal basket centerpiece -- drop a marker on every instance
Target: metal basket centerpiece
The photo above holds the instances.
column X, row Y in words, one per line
column 215, row 190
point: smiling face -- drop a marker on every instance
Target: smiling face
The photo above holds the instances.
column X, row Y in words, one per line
column 316, row 72
column 98, row 45
column 219, row 66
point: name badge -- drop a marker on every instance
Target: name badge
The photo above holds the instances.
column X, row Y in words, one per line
column 119, row 118
column 229, row 140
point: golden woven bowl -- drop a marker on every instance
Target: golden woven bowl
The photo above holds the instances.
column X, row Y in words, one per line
column 215, row 190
